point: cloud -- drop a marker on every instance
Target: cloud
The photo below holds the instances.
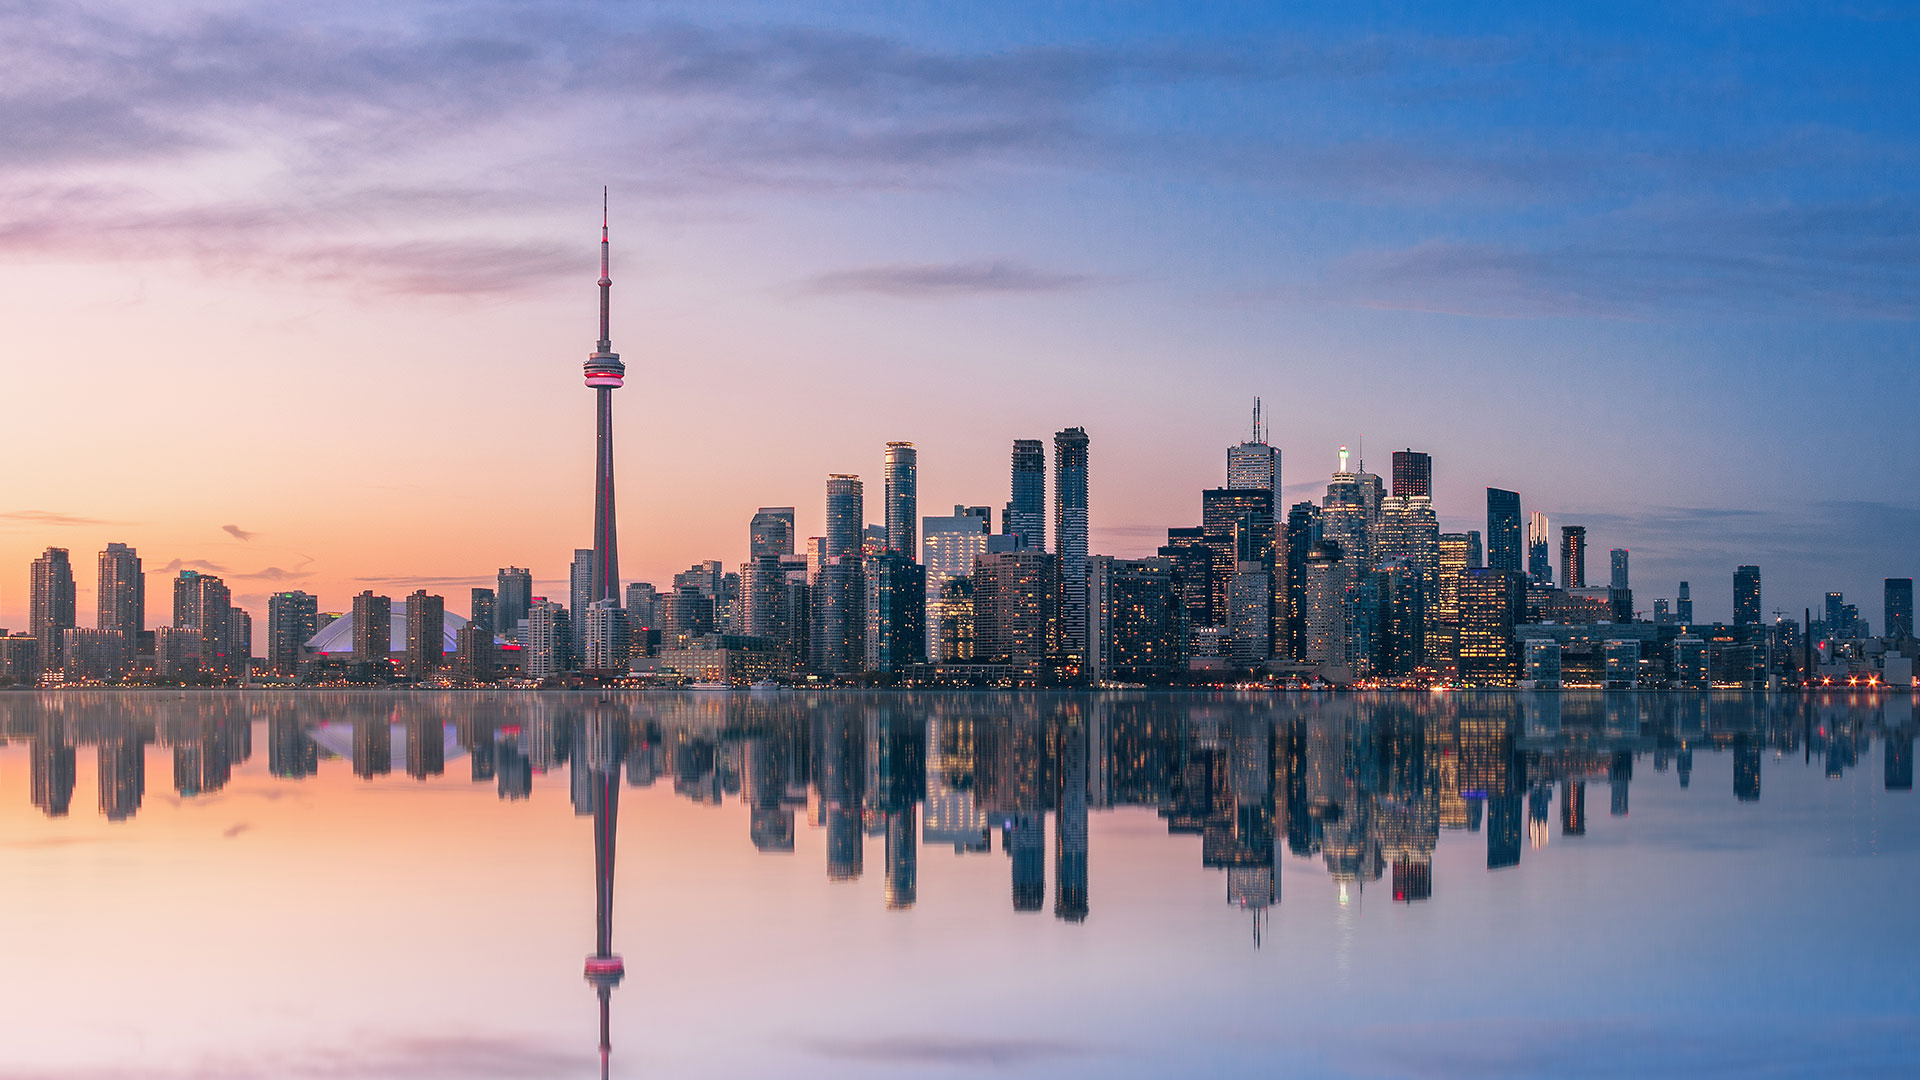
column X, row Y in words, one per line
column 236, row 532
column 941, row 280
column 174, row 566
column 904, row 1052
column 48, row 517
column 234, row 830
column 438, row 1057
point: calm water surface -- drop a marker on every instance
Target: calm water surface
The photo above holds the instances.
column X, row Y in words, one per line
column 412, row 885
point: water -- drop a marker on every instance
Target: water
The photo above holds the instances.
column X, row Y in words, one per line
column 404, row 885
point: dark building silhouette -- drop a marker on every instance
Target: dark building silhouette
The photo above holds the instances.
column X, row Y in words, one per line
column 1503, row 530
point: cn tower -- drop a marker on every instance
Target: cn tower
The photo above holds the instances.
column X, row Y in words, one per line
column 605, row 373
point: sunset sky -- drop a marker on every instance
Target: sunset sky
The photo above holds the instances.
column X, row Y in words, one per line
column 300, row 293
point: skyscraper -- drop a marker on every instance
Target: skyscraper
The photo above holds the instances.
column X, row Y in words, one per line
column 903, row 498
column 1324, row 640
column 50, row 611
column 771, row 532
column 1503, row 530
column 949, row 547
column 513, row 595
column 480, row 604
column 426, row 633
column 372, row 635
column 1746, row 596
column 1539, row 548
column 1683, row 605
column 121, row 600
column 203, row 604
column 1490, row 603
column 1899, row 608
column 1412, row 474
column 896, row 616
column 1617, row 563
column 846, row 513
column 1070, row 534
column 581, row 585
column 1026, row 515
column 1254, row 464
column 604, row 373
column 291, row 623
column 1573, row 556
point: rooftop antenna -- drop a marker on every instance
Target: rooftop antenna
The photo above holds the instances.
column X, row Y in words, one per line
column 1256, row 420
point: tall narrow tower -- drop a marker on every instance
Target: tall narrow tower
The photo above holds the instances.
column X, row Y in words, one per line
column 605, row 373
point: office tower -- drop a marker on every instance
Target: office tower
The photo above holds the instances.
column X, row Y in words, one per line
column 1476, row 556
column 1236, row 524
column 1254, row 464
column 949, row 547
column 1400, row 642
column 950, row 622
column 1014, row 612
column 1409, row 531
column 1539, row 548
column 604, row 373
column 1503, row 530
column 1573, row 556
column 1444, row 635
column 1302, row 530
column 607, row 637
column 372, row 634
column 846, row 514
column 1070, row 535
column 1543, row 663
column 1490, row 603
column 1838, row 625
column 903, row 499
column 291, row 623
column 1026, row 515
column 763, row 587
column 203, row 604
column 1662, row 612
column 480, row 604
column 1412, row 474
column 1190, row 551
column 1136, row 615
column 1250, row 613
column 548, row 639
column 896, row 621
column 1683, row 605
column 1324, row 599
column 1746, row 596
column 1898, row 612
column 837, row 622
column 121, row 600
column 771, row 533
column 580, row 593
column 426, row 633
column 641, row 600
column 50, row 604
column 1617, row 560
column 513, row 594
column 240, row 640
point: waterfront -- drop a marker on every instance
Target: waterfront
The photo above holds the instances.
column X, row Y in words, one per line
column 321, row 884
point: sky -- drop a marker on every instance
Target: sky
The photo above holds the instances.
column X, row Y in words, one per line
column 300, row 295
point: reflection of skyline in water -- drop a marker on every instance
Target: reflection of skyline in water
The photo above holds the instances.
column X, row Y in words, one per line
column 1363, row 785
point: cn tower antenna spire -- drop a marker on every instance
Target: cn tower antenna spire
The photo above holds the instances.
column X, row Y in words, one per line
column 604, row 373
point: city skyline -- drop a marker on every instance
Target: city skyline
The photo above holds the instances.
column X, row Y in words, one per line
column 1037, row 239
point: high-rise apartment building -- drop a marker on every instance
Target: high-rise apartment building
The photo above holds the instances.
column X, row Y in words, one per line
column 1014, row 612
column 949, row 547
column 372, row 634
column 771, row 533
column 846, row 515
column 513, row 595
column 426, row 633
column 1412, row 474
column 1898, row 610
column 121, row 599
column 896, row 618
column 292, row 619
column 903, row 498
column 1250, row 613
column 1026, row 515
column 1136, row 619
column 1503, row 530
column 1324, row 638
column 1573, row 556
column 1254, row 464
column 203, row 603
column 50, row 605
column 607, row 638
column 1070, row 533
column 548, row 639
column 1746, row 596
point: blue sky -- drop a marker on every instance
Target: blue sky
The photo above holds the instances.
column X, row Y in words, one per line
column 1652, row 266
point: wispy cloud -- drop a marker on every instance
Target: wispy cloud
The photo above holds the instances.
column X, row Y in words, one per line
column 942, row 280
column 236, row 532
column 442, row 1057
column 945, row 1052
column 49, row 517
column 174, row 566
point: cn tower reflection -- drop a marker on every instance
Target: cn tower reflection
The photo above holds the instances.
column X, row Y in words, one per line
column 603, row 735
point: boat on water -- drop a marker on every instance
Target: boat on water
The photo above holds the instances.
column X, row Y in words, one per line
column 709, row 686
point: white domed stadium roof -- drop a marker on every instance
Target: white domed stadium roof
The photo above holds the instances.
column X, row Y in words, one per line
column 337, row 636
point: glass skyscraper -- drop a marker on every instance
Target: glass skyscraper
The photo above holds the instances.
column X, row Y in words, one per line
column 1070, row 533
column 1026, row 515
column 1503, row 530
column 903, row 500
